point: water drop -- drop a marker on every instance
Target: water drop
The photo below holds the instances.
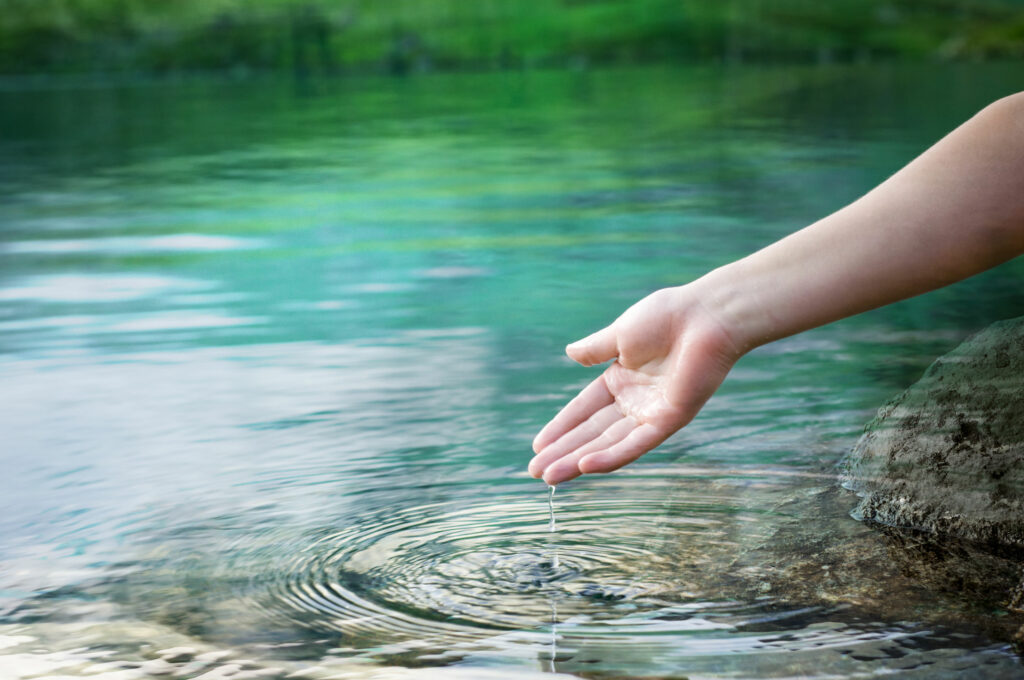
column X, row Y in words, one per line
column 551, row 509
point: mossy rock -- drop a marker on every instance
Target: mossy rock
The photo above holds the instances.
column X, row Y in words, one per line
column 947, row 455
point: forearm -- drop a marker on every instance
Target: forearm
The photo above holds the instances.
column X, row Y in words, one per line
column 956, row 210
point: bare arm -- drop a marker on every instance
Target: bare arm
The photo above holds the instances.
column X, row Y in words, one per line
column 956, row 210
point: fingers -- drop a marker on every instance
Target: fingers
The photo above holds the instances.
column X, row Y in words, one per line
column 641, row 440
column 584, row 433
column 589, row 401
column 595, row 349
column 567, row 467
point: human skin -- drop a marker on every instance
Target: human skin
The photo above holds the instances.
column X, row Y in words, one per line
column 954, row 211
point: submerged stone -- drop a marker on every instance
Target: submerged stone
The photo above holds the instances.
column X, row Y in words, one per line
column 947, row 455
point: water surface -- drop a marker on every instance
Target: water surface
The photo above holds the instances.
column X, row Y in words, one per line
column 272, row 355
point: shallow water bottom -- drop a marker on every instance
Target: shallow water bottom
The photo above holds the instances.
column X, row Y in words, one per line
column 687, row 572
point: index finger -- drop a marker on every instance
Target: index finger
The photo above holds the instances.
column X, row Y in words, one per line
column 589, row 401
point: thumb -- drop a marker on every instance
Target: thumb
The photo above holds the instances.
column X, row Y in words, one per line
column 596, row 348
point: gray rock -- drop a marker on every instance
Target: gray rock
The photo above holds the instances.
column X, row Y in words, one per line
column 947, row 455
column 177, row 654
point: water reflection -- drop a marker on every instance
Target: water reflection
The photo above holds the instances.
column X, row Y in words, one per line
column 95, row 289
column 126, row 245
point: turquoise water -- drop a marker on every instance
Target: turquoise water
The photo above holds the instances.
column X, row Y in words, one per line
column 272, row 355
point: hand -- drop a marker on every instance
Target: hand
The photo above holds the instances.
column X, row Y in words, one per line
column 956, row 210
column 671, row 355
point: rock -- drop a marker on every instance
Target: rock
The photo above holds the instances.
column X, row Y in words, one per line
column 221, row 672
column 819, row 557
column 158, row 667
column 947, row 455
column 177, row 654
column 213, row 656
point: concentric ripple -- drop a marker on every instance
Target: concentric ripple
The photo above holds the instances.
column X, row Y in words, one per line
column 652, row 573
column 623, row 571
column 492, row 565
column 459, row 567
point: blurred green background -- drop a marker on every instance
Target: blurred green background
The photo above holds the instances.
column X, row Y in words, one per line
column 328, row 36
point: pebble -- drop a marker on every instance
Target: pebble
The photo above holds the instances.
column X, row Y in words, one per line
column 177, row 654
column 157, row 667
column 211, row 657
column 226, row 671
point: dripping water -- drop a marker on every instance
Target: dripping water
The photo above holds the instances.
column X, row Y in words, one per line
column 551, row 524
column 551, row 509
column 554, row 565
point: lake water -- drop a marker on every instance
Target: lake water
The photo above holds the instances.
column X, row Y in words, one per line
column 272, row 354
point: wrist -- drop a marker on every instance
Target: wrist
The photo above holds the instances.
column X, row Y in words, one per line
column 733, row 296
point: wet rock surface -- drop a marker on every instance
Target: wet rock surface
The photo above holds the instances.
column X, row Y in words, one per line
column 822, row 558
column 946, row 457
column 940, row 477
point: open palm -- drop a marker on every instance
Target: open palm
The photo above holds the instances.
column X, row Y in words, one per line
column 671, row 355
